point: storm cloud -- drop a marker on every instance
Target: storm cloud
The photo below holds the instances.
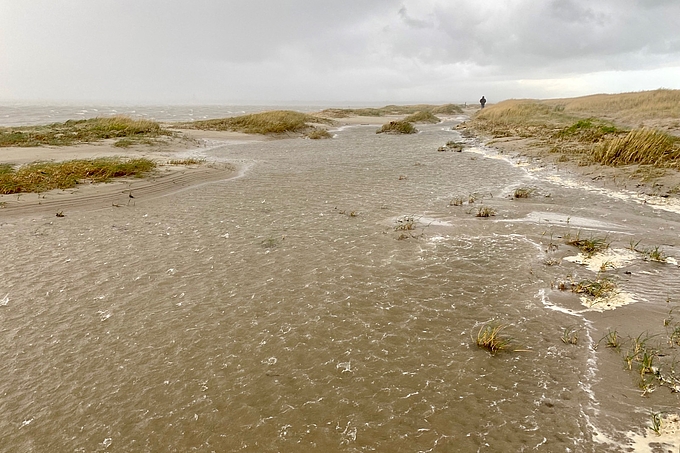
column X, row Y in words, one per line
column 256, row 51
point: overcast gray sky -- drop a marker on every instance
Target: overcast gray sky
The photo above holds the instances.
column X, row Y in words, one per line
column 340, row 51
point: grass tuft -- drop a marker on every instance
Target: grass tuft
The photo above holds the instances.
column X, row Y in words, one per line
column 485, row 211
column 489, row 338
column 590, row 246
column 523, row 192
column 397, row 127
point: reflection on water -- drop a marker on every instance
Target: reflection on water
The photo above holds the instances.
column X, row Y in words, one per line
column 282, row 311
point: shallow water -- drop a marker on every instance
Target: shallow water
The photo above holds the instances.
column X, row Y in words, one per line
column 282, row 310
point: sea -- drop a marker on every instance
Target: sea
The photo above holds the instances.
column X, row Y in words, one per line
column 330, row 295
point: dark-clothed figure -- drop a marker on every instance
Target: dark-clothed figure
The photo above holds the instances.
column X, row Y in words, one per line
column 482, row 101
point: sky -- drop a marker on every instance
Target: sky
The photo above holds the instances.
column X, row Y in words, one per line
column 334, row 52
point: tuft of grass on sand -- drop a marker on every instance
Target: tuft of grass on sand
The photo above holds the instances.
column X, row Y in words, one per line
column 127, row 130
column 601, row 287
column 397, row 127
column 589, row 246
column 317, row 134
column 44, row 176
column 264, row 123
column 485, row 211
column 523, row 192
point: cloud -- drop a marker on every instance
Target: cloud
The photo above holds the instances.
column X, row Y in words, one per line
column 391, row 50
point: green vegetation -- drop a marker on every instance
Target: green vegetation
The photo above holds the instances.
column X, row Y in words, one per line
column 274, row 122
column 591, row 246
column 570, row 335
column 652, row 254
column 422, row 117
column 601, row 287
column 589, row 130
column 397, row 127
column 72, row 132
column 44, row 176
column 611, row 339
column 490, row 339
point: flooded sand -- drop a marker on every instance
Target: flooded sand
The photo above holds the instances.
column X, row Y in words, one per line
column 285, row 310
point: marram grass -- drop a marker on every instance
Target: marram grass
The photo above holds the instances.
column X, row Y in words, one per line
column 273, row 122
column 44, row 176
column 422, row 117
column 640, row 146
column 83, row 131
column 397, row 127
column 489, row 338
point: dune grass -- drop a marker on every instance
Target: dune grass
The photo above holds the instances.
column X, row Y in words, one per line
column 397, row 127
column 72, row 132
column 445, row 109
column 603, row 129
column 640, row 146
column 44, row 176
column 264, row 123
column 422, row 117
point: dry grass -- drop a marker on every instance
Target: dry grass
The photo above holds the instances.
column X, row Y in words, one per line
column 641, row 146
column 265, row 123
column 44, row 176
column 422, row 117
column 397, row 127
column 490, row 339
column 446, row 109
column 627, row 108
column 595, row 127
column 72, row 132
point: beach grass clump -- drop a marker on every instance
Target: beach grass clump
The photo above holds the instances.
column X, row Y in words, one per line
column 523, row 192
column 44, row 176
column 611, row 339
column 406, row 223
column 318, row 134
column 264, row 123
column 589, row 246
column 489, row 338
column 639, row 146
column 422, row 117
column 73, row 132
column 485, row 211
column 599, row 288
column 397, row 127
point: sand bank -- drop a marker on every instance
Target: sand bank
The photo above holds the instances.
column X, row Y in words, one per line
column 164, row 180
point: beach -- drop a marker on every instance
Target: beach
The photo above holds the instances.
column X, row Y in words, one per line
column 296, row 294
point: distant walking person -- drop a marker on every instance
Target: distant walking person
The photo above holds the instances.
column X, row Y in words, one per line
column 482, row 101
